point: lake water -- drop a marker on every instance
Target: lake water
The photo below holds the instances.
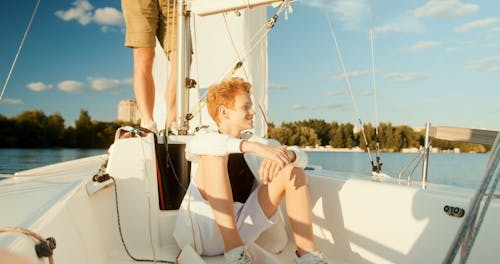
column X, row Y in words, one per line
column 13, row 160
column 462, row 169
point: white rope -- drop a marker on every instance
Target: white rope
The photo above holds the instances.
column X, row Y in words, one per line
column 19, row 50
column 22, row 230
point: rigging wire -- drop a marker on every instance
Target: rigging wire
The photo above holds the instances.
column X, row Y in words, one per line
column 238, row 55
column 339, row 54
column 233, row 44
column 235, row 66
column 378, row 167
column 19, row 50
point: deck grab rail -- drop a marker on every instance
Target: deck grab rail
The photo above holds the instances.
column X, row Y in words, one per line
column 473, row 219
column 468, row 230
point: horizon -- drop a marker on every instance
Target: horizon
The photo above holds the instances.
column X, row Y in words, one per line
column 435, row 61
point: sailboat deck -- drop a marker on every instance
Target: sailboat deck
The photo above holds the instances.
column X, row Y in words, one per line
column 26, row 200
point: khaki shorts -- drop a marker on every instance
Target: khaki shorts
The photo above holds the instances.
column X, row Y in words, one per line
column 147, row 19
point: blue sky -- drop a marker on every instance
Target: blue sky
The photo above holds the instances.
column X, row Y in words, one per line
column 435, row 61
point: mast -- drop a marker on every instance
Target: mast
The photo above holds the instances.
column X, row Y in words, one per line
column 183, row 66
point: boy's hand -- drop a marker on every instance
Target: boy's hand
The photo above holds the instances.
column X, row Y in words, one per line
column 268, row 170
column 276, row 154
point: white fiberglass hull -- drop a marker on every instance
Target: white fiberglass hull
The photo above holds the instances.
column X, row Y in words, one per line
column 355, row 220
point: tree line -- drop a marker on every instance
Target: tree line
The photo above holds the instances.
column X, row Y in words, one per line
column 34, row 129
column 314, row 132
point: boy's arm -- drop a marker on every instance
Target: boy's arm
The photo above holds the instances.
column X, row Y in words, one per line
column 213, row 144
column 300, row 157
column 295, row 155
column 216, row 144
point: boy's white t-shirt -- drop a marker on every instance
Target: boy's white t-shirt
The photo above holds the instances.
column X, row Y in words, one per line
column 195, row 221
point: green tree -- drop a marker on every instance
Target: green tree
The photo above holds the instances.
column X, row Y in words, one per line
column 321, row 128
column 348, row 135
column 84, row 130
column 283, row 134
column 306, row 136
column 8, row 137
column 386, row 137
column 54, row 131
column 30, row 126
column 335, row 135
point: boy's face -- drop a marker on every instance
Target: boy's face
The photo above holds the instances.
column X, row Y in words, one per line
column 241, row 115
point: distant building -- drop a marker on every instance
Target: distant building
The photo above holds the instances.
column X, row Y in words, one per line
column 128, row 111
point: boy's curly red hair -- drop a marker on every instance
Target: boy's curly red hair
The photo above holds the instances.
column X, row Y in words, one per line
column 223, row 94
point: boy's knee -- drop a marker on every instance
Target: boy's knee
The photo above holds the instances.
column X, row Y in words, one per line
column 293, row 176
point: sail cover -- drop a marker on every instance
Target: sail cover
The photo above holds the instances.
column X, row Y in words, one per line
column 218, row 42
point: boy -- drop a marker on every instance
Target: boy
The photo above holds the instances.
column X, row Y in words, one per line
column 219, row 223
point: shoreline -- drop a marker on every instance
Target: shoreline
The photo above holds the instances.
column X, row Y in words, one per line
column 404, row 150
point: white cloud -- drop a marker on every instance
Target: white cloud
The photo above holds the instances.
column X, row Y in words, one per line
column 104, row 84
column 329, row 106
column 351, row 13
column 108, row 16
column 352, row 74
column 477, row 24
column 81, row 12
column 298, row 106
column 367, row 93
column 495, row 30
column 12, row 101
column 95, row 84
column 128, row 81
column 445, row 8
column 335, row 93
column 39, row 86
column 405, row 23
column 70, row 86
column 423, row 45
column 491, row 64
column 454, row 49
column 84, row 13
column 278, row 86
column 399, row 77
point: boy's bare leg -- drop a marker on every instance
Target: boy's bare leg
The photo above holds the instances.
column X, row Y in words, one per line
column 215, row 187
column 291, row 182
column 171, row 93
column 144, row 88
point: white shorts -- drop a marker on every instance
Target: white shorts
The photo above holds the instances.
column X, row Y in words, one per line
column 250, row 219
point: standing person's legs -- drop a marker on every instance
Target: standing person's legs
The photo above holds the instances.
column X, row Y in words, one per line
column 291, row 183
column 144, row 88
column 167, row 36
column 171, row 92
column 141, row 22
